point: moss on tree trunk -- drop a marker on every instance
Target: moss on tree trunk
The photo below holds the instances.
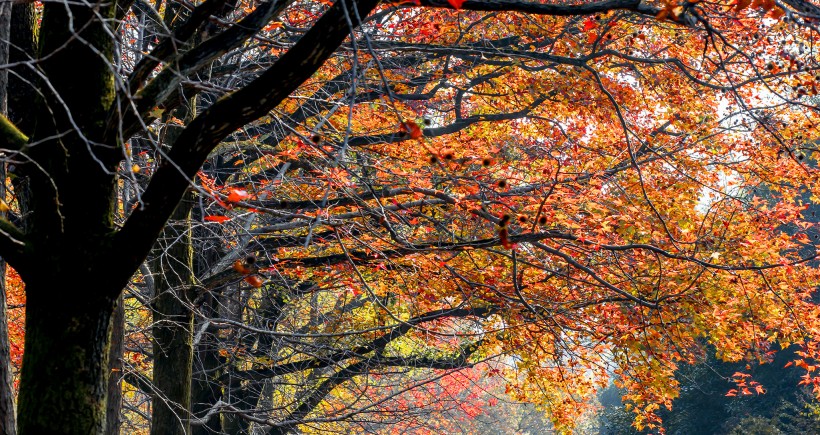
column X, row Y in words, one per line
column 64, row 377
column 173, row 328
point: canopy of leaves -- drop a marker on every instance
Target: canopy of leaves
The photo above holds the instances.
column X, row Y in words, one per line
column 544, row 193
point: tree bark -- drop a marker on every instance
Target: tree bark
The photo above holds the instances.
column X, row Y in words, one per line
column 206, row 389
column 64, row 375
column 112, row 419
column 22, row 47
column 5, row 36
column 8, row 423
column 69, row 213
column 173, row 328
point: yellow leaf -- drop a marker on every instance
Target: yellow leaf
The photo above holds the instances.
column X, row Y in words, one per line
column 156, row 112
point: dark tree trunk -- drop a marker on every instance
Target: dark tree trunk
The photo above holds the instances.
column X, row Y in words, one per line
column 270, row 310
column 8, row 423
column 206, row 389
column 112, row 419
column 22, row 47
column 173, row 328
column 68, row 202
column 5, row 34
column 232, row 307
column 71, row 285
column 65, row 366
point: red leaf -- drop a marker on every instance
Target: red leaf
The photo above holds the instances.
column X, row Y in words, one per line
column 456, row 4
column 237, row 195
column 589, row 24
column 411, row 127
column 220, row 219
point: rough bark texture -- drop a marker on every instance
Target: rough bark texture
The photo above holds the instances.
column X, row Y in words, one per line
column 64, row 366
column 5, row 34
column 66, row 261
column 8, row 423
column 112, row 418
column 173, row 328
column 205, row 388
column 67, row 190
column 23, row 47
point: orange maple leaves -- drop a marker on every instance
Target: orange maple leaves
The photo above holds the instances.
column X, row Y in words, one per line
column 247, row 268
column 411, row 129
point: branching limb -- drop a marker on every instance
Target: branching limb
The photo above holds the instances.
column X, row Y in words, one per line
column 205, row 132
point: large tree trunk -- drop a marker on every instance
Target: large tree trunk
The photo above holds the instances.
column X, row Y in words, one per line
column 64, row 374
column 23, row 47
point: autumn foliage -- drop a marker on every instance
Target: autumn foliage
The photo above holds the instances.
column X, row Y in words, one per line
column 545, row 197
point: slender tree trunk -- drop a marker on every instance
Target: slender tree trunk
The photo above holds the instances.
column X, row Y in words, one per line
column 5, row 37
column 270, row 310
column 65, row 366
column 206, row 389
column 173, row 315
column 173, row 328
column 112, row 419
column 232, row 307
column 8, row 423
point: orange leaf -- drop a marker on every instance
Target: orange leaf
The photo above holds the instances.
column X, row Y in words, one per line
column 240, row 267
column 591, row 37
column 220, row 219
column 237, row 195
column 274, row 25
column 777, row 13
column 412, row 129
column 254, row 281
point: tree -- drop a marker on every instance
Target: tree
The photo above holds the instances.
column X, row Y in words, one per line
column 571, row 208
column 707, row 403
